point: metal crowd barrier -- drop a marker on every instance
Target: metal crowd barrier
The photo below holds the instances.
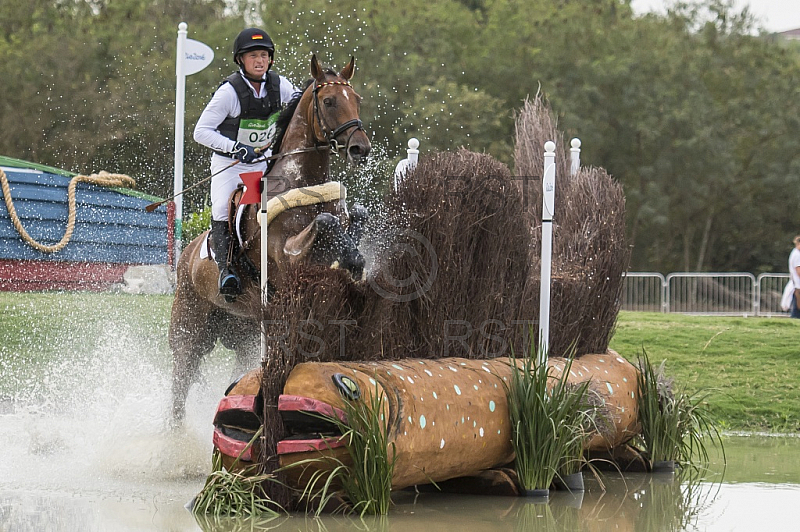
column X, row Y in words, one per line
column 721, row 294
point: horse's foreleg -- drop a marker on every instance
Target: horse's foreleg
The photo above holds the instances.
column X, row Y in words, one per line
column 243, row 336
column 186, row 363
column 358, row 219
column 191, row 339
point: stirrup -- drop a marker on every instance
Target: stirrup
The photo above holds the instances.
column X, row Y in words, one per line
column 229, row 284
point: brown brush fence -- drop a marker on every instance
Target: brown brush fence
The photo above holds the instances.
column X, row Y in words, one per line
column 456, row 268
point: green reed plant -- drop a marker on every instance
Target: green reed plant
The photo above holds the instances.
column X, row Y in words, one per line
column 197, row 222
column 231, row 493
column 550, row 424
column 675, row 425
column 367, row 483
column 250, row 523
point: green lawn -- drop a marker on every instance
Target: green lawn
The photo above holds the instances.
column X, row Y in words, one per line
column 44, row 334
column 751, row 366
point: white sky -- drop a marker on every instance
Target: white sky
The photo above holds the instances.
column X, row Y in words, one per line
column 774, row 15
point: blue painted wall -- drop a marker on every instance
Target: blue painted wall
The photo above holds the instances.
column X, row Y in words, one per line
column 110, row 226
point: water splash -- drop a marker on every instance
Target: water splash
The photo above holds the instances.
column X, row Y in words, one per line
column 96, row 420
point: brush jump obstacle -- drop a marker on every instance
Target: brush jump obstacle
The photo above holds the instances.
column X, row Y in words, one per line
column 448, row 418
column 306, row 218
column 443, row 324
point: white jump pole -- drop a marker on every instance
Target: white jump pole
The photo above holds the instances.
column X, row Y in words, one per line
column 407, row 164
column 190, row 58
column 548, row 201
column 264, row 257
column 574, row 156
column 180, row 105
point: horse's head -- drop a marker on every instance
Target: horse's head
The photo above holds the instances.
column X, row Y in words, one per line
column 336, row 107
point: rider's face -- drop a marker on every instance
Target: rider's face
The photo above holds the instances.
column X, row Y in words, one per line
column 255, row 62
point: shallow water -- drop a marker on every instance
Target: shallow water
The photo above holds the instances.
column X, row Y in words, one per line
column 86, row 447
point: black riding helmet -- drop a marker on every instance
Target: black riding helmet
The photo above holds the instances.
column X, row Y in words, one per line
column 252, row 39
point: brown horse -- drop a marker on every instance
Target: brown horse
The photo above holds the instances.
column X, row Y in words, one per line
column 308, row 222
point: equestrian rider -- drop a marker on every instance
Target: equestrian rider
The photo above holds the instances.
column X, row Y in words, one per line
column 237, row 124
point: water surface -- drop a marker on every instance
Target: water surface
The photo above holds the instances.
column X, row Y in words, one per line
column 86, row 448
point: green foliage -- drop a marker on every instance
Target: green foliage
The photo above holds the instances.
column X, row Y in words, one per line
column 675, row 425
column 196, row 223
column 234, row 493
column 447, row 116
column 549, row 424
column 367, row 483
column 694, row 112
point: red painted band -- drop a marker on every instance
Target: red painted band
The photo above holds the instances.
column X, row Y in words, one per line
column 304, row 446
column 296, row 403
column 231, row 447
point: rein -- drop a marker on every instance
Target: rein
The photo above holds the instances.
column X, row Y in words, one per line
column 293, row 152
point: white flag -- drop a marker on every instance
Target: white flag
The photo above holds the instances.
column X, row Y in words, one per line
column 196, row 56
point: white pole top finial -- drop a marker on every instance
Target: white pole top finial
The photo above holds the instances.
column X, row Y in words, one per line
column 575, row 156
column 413, row 143
column 183, row 26
column 550, row 146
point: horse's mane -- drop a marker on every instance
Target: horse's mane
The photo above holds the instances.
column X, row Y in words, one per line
column 286, row 116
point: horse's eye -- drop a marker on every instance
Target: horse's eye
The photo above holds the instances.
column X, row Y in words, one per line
column 329, row 102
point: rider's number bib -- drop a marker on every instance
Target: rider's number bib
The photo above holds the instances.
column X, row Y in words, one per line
column 257, row 132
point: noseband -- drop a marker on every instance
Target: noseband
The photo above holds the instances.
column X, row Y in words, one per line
column 331, row 134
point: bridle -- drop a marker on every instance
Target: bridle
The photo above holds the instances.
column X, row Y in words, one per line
column 331, row 134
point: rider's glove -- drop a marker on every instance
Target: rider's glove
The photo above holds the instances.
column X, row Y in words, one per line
column 246, row 154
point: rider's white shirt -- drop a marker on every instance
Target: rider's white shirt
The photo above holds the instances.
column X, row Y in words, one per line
column 225, row 103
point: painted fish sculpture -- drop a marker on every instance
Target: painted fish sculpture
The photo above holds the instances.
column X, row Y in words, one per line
column 447, row 418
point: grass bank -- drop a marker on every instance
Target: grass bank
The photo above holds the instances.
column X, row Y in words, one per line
column 751, row 366
column 44, row 335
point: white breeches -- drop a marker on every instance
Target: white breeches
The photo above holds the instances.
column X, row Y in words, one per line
column 224, row 183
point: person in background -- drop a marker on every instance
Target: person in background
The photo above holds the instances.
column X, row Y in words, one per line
column 794, row 275
column 238, row 124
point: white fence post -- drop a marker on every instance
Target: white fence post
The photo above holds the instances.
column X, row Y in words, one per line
column 407, row 164
column 548, row 201
column 574, row 156
column 190, row 58
column 180, row 99
column 413, row 152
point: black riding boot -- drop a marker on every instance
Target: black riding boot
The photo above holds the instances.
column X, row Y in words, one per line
column 229, row 283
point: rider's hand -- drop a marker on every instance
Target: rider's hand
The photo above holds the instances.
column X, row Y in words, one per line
column 246, row 154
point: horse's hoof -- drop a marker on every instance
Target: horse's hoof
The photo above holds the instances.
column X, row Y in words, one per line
column 358, row 213
column 326, row 222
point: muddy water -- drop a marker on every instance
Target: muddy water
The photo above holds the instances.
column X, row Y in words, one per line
column 85, row 447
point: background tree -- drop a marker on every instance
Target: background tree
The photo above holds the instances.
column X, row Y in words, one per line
column 693, row 112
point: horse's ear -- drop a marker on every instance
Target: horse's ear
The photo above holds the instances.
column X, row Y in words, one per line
column 316, row 69
column 347, row 72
